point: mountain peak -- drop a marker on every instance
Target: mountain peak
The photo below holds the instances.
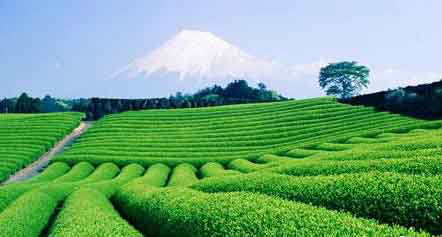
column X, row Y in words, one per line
column 193, row 59
column 197, row 54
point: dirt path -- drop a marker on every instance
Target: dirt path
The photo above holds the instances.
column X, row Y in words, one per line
column 35, row 167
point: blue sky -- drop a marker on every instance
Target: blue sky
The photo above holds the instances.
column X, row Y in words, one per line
column 69, row 48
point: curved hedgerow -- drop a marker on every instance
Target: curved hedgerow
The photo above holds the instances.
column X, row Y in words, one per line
column 78, row 172
column 28, row 215
column 52, row 172
column 88, row 212
column 108, row 187
column 186, row 212
column 183, row 175
column 103, row 172
column 417, row 166
column 215, row 169
column 413, row 201
column 48, row 194
column 246, row 166
column 58, row 190
column 156, row 176
column 270, row 158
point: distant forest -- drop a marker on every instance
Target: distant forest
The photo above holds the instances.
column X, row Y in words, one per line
column 236, row 92
column 422, row 101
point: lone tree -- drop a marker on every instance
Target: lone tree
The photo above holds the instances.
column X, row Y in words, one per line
column 343, row 79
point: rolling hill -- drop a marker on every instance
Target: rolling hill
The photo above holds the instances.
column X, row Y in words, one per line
column 296, row 168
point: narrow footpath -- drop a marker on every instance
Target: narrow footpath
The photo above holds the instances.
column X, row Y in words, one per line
column 35, row 167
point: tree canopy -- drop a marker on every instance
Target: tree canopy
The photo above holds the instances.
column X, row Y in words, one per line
column 344, row 79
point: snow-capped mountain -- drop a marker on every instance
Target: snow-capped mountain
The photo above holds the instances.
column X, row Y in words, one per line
column 199, row 55
column 193, row 59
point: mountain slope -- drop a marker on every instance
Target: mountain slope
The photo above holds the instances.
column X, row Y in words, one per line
column 194, row 59
column 201, row 55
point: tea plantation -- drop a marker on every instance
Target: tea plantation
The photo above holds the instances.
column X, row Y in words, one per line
column 297, row 168
column 25, row 137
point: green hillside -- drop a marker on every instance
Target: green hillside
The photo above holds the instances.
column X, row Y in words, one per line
column 298, row 168
column 25, row 137
column 222, row 134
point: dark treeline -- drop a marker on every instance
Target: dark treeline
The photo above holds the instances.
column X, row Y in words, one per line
column 27, row 104
column 422, row 101
column 236, row 92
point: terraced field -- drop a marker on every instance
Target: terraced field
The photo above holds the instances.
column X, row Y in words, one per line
column 226, row 133
column 25, row 137
column 299, row 168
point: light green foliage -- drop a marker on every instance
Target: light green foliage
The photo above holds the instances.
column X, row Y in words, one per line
column 54, row 171
column 28, row 215
column 270, row 158
column 300, row 153
column 52, row 192
column 78, row 172
column 421, row 166
column 390, row 198
column 246, row 166
column 185, row 212
column 271, row 169
column 214, row 169
column 183, row 175
column 25, row 137
column 88, row 212
column 103, row 172
column 155, row 176
column 222, row 134
column 108, row 187
column 406, row 146
column 59, row 190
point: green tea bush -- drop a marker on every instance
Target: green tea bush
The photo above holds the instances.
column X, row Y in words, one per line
column 215, row 169
column 52, row 172
column 413, row 201
column 108, row 187
column 300, row 153
column 58, row 190
column 225, row 134
column 28, row 215
column 270, row 158
column 185, row 212
column 157, row 176
column 25, row 137
column 103, row 172
column 88, row 212
column 418, row 166
column 246, row 166
column 332, row 147
column 358, row 140
column 183, row 175
column 78, row 172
